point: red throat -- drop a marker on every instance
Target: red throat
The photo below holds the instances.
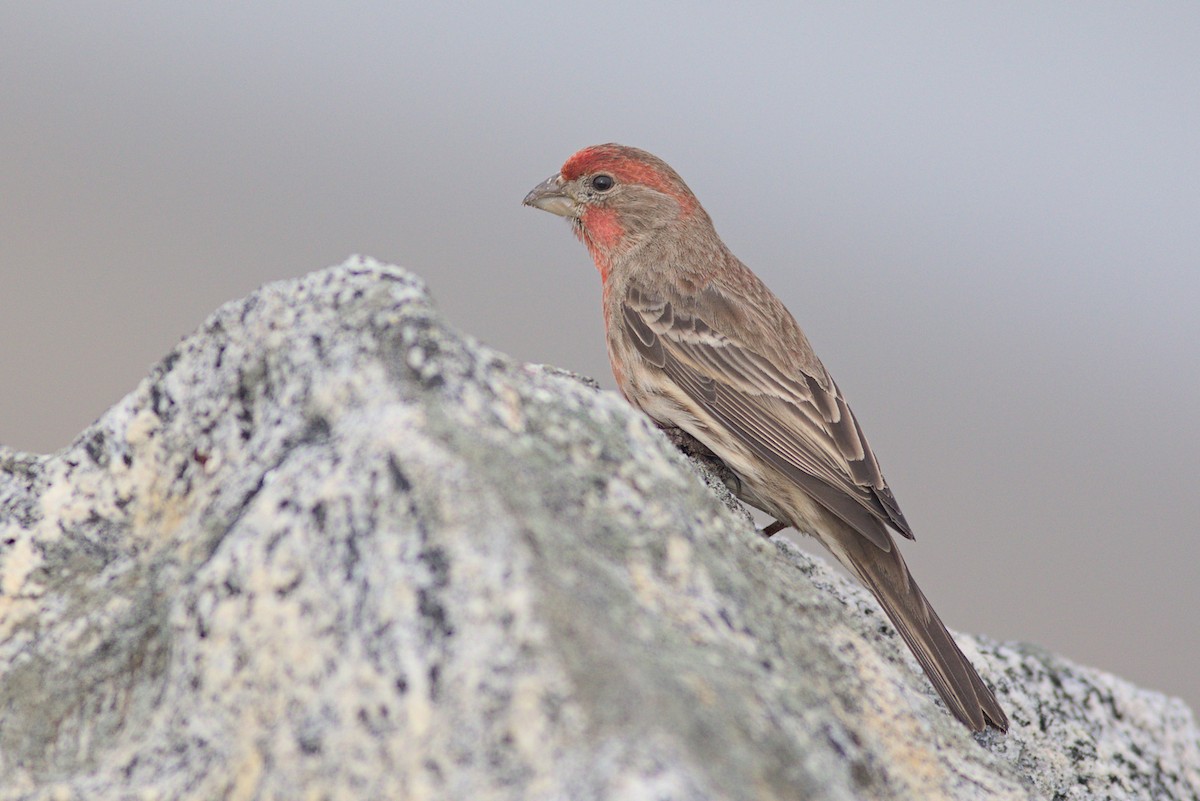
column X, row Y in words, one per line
column 601, row 231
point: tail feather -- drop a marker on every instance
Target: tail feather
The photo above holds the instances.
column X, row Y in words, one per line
column 950, row 672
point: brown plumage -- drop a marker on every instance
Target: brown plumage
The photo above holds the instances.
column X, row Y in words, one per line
column 697, row 341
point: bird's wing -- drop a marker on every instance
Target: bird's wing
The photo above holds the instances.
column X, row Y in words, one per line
column 756, row 374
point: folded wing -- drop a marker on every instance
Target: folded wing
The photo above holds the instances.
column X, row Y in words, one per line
column 793, row 418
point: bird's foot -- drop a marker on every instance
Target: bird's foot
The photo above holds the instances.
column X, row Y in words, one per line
column 773, row 529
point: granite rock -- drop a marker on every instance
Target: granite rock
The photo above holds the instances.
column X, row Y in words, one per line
column 332, row 548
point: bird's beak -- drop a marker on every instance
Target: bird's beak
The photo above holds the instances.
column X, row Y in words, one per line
column 549, row 196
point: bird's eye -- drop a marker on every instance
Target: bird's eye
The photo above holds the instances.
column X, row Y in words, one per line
column 603, row 183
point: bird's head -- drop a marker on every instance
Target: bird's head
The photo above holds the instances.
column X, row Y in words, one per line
column 616, row 198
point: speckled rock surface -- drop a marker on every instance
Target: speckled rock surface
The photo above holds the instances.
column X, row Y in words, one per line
column 333, row 549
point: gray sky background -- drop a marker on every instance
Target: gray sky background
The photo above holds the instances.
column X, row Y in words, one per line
column 986, row 217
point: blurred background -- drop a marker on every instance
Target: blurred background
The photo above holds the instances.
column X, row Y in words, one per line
column 987, row 218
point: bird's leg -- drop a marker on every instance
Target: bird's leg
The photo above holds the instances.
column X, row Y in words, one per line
column 773, row 529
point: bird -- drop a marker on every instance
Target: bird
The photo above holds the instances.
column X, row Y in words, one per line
column 698, row 342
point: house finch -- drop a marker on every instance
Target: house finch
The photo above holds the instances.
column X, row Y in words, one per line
column 698, row 342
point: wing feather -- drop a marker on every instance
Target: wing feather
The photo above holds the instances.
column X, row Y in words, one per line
column 793, row 419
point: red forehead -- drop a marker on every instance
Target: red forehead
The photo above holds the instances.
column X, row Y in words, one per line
column 623, row 163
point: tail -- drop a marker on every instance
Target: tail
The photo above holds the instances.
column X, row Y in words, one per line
column 952, row 675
